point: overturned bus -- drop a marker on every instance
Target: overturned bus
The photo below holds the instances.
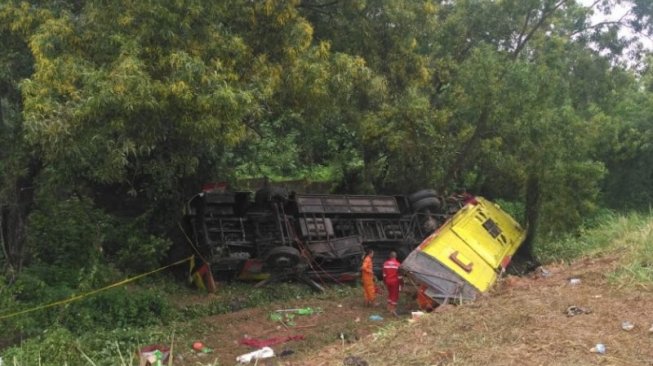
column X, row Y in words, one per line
column 465, row 255
column 310, row 237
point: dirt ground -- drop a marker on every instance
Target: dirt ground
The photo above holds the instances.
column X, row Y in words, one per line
column 541, row 319
column 343, row 321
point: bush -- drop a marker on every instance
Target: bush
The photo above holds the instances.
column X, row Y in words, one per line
column 57, row 346
column 118, row 308
column 68, row 233
column 142, row 253
column 513, row 208
column 54, row 347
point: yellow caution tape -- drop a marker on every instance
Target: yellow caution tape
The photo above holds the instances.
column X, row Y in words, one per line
column 83, row 295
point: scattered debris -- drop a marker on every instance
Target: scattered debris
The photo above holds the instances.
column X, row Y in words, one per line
column 577, row 310
column 574, row 281
column 200, row 347
column 416, row 314
column 627, row 326
column 286, row 319
column 154, row 354
column 354, row 361
column 286, row 352
column 301, row 311
column 261, row 343
column 348, row 337
column 599, row 348
column 542, row 272
column 376, row 317
column 197, row 346
column 265, row 352
column 650, row 330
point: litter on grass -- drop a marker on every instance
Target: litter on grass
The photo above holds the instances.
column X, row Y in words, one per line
column 627, row 326
column 577, row 310
column 301, row 311
column 265, row 352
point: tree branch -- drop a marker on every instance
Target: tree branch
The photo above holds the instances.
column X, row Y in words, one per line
column 523, row 30
column 545, row 16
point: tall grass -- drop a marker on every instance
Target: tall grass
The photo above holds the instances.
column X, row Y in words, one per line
column 630, row 236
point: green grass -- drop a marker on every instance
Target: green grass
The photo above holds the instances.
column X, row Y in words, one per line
column 58, row 345
column 630, row 236
column 637, row 249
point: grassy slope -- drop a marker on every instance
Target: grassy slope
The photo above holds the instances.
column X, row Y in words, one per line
column 523, row 320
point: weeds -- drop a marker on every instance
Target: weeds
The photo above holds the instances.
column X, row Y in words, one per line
column 604, row 233
column 628, row 236
column 638, row 258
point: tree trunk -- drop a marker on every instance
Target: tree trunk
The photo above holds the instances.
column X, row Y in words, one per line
column 5, row 256
column 10, row 241
column 533, row 198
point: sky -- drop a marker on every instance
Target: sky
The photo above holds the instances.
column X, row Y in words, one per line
column 618, row 12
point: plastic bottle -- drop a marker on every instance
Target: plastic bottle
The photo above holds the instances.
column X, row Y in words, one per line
column 265, row 352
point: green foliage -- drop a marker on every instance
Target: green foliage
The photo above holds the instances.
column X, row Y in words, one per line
column 597, row 235
column 129, row 325
column 637, row 269
column 67, row 233
column 606, row 232
column 123, row 307
column 118, row 308
column 628, row 151
column 626, row 236
column 58, row 347
column 513, row 208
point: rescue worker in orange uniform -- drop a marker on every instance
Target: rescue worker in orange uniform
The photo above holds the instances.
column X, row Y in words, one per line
column 392, row 280
column 367, row 278
column 424, row 302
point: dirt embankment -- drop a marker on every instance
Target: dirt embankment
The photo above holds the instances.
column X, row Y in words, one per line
column 542, row 319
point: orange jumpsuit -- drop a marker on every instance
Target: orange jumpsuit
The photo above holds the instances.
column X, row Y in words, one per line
column 424, row 302
column 367, row 277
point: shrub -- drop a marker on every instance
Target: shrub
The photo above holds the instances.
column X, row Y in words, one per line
column 118, row 308
column 68, row 233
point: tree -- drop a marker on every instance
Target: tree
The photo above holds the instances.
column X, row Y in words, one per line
column 17, row 166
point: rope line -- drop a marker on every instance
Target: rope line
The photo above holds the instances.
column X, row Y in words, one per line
column 93, row 292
